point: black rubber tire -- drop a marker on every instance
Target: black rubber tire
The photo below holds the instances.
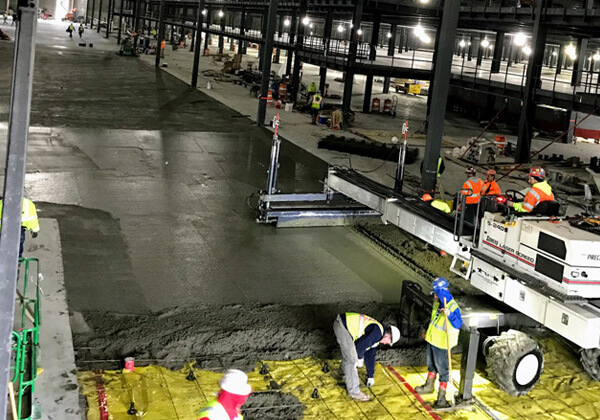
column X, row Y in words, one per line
column 504, row 356
column 590, row 359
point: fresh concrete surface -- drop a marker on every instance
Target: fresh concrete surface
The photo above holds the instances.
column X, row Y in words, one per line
column 57, row 391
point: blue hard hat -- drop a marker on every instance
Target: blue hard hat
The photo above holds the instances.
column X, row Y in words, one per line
column 438, row 284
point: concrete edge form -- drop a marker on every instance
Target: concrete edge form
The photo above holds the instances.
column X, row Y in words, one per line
column 56, row 390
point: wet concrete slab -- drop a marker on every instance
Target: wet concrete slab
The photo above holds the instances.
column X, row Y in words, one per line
column 149, row 181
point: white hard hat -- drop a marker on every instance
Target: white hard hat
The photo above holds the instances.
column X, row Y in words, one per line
column 235, row 382
column 395, row 334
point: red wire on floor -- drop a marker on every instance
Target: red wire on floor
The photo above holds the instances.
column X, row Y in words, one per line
column 414, row 393
column 102, row 404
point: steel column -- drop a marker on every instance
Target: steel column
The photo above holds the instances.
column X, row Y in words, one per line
column 560, row 58
column 374, row 37
column 392, row 40
column 266, row 59
column 349, row 81
column 299, row 44
column 198, row 43
column 327, row 32
column 161, row 32
column 120, row 33
column 579, row 63
column 534, row 71
column 322, row 79
column 443, row 65
column 497, row 58
column 242, row 44
column 222, row 26
column 386, row 85
column 93, row 11
column 368, row 93
column 14, row 179
column 400, row 40
column 99, row 16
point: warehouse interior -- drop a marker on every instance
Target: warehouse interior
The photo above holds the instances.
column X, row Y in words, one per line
column 194, row 220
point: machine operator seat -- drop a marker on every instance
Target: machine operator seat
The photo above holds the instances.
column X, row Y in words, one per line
column 546, row 208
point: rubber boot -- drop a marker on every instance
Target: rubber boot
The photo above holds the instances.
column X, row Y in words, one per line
column 427, row 387
column 441, row 399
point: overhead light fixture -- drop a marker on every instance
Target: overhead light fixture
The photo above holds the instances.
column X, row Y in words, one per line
column 418, row 31
column 596, row 56
column 286, row 22
column 423, row 1
column 527, row 50
column 311, row 25
column 204, row 12
column 340, row 28
column 554, row 53
column 221, row 14
column 485, row 43
column 426, row 39
column 311, row 33
column 520, row 39
column 462, row 43
column 359, row 32
column 305, row 20
column 491, row 47
column 389, row 34
column 571, row 51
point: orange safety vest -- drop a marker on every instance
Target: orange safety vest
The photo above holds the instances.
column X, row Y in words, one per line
column 472, row 189
column 539, row 192
column 163, row 44
column 490, row 188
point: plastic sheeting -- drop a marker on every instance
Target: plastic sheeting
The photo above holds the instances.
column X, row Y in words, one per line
column 564, row 392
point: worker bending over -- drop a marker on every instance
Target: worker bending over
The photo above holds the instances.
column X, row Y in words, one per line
column 29, row 221
column 445, row 313
column 234, row 392
column 540, row 191
column 358, row 336
column 490, row 186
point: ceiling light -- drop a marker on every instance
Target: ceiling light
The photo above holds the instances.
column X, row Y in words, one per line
column 527, row 50
column 305, row 20
column 340, row 28
column 221, row 14
column 554, row 53
column 462, row 43
column 389, row 34
column 520, row 39
column 596, row 56
column 359, row 32
column 418, row 31
column 204, row 12
column 571, row 51
column 485, row 43
column 286, row 22
column 311, row 25
column 424, row 1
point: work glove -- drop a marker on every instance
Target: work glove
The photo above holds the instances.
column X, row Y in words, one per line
column 360, row 363
column 34, row 234
column 370, row 382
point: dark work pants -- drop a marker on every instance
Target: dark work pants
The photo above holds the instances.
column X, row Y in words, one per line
column 23, row 230
column 437, row 361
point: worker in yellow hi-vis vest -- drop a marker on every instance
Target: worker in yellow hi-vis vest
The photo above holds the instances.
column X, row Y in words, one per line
column 29, row 221
column 358, row 336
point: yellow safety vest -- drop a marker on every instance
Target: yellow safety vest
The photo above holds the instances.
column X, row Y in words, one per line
column 316, row 101
column 29, row 219
column 357, row 323
column 441, row 205
column 436, row 332
column 312, row 88
column 215, row 411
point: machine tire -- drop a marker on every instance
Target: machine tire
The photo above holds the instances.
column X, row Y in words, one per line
column 590, row 359
column 508, row 352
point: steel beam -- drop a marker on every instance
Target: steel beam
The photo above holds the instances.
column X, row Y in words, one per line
column 299, row 45
column 533, row 74
column 198, row 43
column 327, row 32
column 161, row 32
column 99, row 16
column 242, row 44
column 322, row 79
column 93, row 10
column 266, row 60
column 374, row 37
column 368, row 93
column 392, row 40
column 439, row 93
column 14, row 179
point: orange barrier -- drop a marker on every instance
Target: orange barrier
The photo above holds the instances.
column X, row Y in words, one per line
column 375, row 105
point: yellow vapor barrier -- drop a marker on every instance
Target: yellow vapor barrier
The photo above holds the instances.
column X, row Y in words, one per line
column 564, row 392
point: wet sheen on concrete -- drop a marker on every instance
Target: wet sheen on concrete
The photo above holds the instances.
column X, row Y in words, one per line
column 150, row 182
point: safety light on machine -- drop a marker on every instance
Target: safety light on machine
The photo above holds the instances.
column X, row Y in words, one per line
column 501, row 199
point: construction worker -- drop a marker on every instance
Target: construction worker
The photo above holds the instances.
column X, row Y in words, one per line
column 70, row 30
column 540, row 191
column 311, row 90
column 81, row 29
column 29, row 221
column 490, row 187
column 234, row 392
column 472, row 189
column 438, row 204
column 358, row 336
column 315, row 106
column 445, row 313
